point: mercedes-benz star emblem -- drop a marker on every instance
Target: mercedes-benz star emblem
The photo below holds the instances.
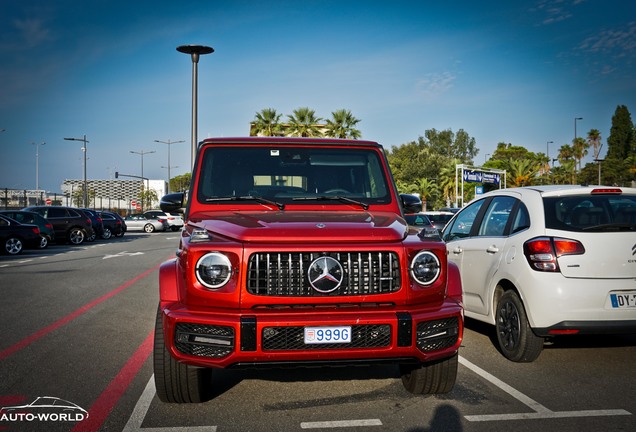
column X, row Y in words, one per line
column 325, row 274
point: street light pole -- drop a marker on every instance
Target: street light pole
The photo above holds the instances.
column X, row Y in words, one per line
column 84, row 149
column 195, row 52
column 169, row 143
column 575, row 119
column 37, row 163
column 142, row 153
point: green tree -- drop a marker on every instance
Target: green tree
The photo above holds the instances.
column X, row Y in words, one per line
column 180, row 183
column 594, row 141
column 342, row 125
column 147, row 197
column 568, row 163
column 304, row 123
column 619, row 168
column 267, row 123
column 579, row 150
column 522, row 172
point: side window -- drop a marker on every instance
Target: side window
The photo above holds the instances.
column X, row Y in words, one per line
column 4, row 222
column 496, row 217
column 522, row 219
column 463, row 223
column 55, row 212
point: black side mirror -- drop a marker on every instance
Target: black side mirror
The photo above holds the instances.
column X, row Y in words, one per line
column 172, row 203
column 411, row 203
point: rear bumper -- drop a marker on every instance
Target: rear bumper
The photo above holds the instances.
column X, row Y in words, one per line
column 588, row 328
column 222, row 339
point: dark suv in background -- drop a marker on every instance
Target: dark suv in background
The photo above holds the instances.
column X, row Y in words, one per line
column 70, row 224
column 114, row 225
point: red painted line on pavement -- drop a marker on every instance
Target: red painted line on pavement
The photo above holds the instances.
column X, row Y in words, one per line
column 98, row 413
column 59, row 323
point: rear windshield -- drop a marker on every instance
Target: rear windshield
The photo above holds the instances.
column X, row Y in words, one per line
column 292, row 174
column 591, row 212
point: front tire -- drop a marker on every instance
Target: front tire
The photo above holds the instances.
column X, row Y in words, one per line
column 177, row 382
column 516, row 340
column 13, row 246
column 430, row 378
column 149, row 228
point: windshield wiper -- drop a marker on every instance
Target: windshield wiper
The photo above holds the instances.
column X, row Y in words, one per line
column 610, row 227
column 332, row 197
column 280, row 206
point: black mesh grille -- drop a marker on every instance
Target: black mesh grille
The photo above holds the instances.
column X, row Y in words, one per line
column 285, row 274
column 204, row 340
column 435, row 335
column 292, row 338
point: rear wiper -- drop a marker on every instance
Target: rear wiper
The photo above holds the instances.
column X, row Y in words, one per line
column 332, row 197
column 280, row 206
column 611, row 227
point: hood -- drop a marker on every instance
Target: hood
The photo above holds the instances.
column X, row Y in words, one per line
column 303, row 227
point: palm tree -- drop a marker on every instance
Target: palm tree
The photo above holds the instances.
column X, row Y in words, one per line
column 579, row 148
column 594, row 141
column 447, row 181
column 342, row 125
column 426, row 188
column 568, row 161
column 522, row 172
column 304, row 123
column 266, row 123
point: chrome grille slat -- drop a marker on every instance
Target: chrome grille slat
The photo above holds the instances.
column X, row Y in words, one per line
column 285, row 273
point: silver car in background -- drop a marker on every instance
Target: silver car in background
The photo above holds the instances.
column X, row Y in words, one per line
column 140, row 222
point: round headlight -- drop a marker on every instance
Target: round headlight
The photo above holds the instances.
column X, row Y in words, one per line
column 425, row 268
column 213, row 270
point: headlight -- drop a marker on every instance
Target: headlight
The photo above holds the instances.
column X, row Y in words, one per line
column 425, row 268
column 213, row 270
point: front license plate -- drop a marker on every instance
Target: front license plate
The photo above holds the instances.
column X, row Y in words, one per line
column 623, row 300
column 326, row 335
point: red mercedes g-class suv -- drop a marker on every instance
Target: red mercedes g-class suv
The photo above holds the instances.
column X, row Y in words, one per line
column 295, row 252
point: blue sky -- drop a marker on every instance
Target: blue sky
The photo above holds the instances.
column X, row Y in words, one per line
column 515, row 72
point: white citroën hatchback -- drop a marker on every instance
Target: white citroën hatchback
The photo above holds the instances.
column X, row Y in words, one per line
column 543, row 261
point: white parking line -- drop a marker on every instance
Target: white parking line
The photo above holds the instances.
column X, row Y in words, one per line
column 540, row 412
column 141, row 409
column 340, row 423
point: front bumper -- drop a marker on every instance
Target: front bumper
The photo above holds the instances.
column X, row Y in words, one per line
column 223, row 339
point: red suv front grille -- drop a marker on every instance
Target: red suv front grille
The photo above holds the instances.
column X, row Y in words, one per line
column 286, row 273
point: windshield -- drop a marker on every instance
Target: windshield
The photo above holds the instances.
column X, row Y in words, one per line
column 292, row 175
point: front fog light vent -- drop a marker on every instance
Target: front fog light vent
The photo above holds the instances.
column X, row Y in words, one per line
column 213, row 270
column 425, row 268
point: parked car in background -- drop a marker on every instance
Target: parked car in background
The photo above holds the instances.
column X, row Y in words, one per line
column 70, row 224
column 47, row 233
column 175, row 221
column 545, row 261
column 144, row 223
column 439, row 219
column 114, row 225
column 96, row 220
column 419, row 221
column 16, row 237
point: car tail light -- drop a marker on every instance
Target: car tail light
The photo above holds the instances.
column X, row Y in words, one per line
column 542, row 252
column 100, row 220
column 49, row 226
column 615, row 191
column 36, row 230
